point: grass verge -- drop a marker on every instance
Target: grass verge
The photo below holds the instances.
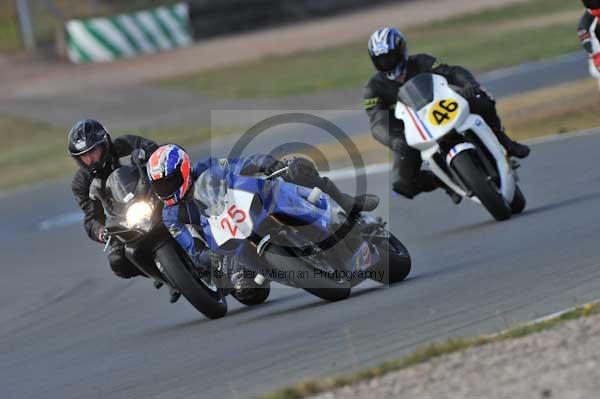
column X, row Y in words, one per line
column 34, row 151
column 427, row 353
column 480, row 41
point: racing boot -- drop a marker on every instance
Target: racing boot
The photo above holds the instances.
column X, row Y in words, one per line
column 513, row 148
column 351, row 205
column 247, row 291
column 451, row 193
column 429, row 182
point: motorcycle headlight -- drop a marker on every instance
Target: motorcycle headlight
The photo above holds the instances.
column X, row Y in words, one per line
column 139, row 215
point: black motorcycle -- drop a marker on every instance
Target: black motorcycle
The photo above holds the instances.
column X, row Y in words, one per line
column 135, row 219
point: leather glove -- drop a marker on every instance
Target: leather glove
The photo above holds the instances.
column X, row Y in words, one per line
column 273, row 165
column 138, row 157
column 103, row 235
column 300, row 169
column 471, row 90
column 396, row 144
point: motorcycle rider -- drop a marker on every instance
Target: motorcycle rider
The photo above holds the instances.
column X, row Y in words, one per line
column 388, row 51
column 97, row 155
column 588, row 32
column 173, row 176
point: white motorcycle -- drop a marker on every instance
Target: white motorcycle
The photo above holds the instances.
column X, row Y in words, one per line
column 458, row 146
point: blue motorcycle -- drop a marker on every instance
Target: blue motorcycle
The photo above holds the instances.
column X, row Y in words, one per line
column 295, row 235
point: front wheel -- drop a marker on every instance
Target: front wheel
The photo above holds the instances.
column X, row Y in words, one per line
column 480, row 184
column 518, row 203
column 179, row 270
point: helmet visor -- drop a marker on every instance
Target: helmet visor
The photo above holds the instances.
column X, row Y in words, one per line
column 92, row 155
column 168, row 186
column 388, row 62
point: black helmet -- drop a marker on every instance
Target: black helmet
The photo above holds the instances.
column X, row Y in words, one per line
column 388, row 51
column 86, row 135
column 591, row 4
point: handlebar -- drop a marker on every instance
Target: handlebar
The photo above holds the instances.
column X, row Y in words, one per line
column 277, row 173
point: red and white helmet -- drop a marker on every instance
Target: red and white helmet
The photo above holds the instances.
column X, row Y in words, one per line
column 169, row 169
column 593, row 7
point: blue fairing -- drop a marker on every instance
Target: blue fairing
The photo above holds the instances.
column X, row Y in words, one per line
column 277, row 198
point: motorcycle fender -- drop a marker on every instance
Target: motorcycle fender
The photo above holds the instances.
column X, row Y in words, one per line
column 457, row 149
column 430, row 163
column 477, row 125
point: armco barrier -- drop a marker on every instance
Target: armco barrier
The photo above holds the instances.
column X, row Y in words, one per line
column 128, row 35
column 223, row 17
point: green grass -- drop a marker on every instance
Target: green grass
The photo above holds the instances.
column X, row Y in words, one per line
column 33, row 151
column 9, row 31
column 468, row 40
column 425, row 354
column 555, row 110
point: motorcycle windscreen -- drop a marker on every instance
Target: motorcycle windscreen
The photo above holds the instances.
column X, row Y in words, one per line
column 122, row 183
column 211, row 191
column 417, row 92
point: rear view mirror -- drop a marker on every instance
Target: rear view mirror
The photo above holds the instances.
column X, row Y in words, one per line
column 96, row 190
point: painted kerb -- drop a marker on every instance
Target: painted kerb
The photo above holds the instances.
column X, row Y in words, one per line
column 129, row 35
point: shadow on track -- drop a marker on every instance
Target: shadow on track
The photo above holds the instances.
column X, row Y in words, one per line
column 291, row 310
column 463, row 229
column 238, row 311
column 561, row 204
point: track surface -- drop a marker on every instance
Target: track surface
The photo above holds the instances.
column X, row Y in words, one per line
column 69, row 329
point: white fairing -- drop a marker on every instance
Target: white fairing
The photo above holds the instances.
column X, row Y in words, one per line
column 421, row 134
column 235, row 222
column 423, row 131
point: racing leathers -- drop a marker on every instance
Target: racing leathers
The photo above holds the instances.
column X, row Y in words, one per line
column 380, row 97
column 184, row 221
column 588, row 32
column 94, row 216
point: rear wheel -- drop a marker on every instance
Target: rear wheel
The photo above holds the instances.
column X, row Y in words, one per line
column 481, row 185
column 179, row 270
column 300, row 271
column 395, row 261
column 518, row 203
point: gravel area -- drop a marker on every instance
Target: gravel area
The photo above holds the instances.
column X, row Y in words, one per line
column 563, row 362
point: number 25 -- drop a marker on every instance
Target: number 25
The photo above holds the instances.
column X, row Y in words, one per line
column 233, row 212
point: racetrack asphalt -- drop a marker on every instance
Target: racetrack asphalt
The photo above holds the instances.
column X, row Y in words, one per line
column 70, row 329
